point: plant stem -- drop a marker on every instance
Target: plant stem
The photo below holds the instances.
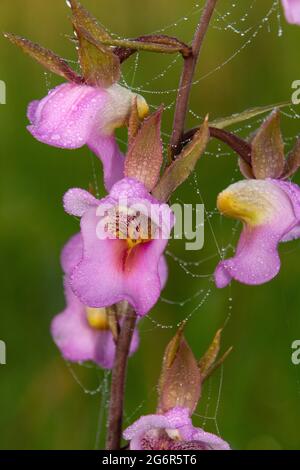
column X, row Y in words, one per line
column 240, row 146
column 115, row 416
column 188, row 74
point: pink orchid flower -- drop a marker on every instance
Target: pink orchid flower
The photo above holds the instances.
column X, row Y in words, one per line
column 270, row 212
column 73, row 115
column 80, row 332
column 124, row 238
column 172, row 430
column 292, row 11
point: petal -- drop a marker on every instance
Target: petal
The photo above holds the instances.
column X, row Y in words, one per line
column 268, row 215
column 107, row 150
column 78, row 342
column 71, row 332
column 67, row 116
column 293, row 234
column 176, row 419
column 137, row 430
column 72, row 253
column 211, row 441
column 293, row 192
column 143, row 282
column 292, row 11
column 130, row 188
column 32, row 110
column 103, row 278
column 77, row 201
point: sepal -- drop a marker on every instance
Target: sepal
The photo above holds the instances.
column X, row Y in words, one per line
column 184, row 165
column 145, row 154
column 45, row 57
column 180, row 383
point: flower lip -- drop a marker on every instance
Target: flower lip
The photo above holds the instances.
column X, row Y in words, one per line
column 230, row 206
column 252, row 201
column 97, row 318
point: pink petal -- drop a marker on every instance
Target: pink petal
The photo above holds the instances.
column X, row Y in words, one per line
column 67, row 117
column 107, row 149
column 32, row 110
column 77, row 202
column 72, row 253
column 210, row 440
column 176, row 419
column 71, row 332
column 292, row 11
column 101, row 279
column 78, row 342
column 143, row 281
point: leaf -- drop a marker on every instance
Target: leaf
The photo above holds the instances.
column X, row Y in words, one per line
column 45, row 57
column 292, row 162
column 184, row 164
column 268, row 149
column 245, row 115
column 211, row 354
column 180, row 383
column 209, row 363
column 100, row 66
column 83, row 19
column 145, row 155
column 218, row 364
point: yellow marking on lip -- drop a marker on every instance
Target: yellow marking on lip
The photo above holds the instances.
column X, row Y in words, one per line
column 132, row 242
column 231, row 205
column 97, row 318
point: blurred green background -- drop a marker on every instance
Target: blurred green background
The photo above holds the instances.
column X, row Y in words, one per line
column 255, row 402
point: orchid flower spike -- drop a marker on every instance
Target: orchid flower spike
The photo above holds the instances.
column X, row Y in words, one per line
column 83, row 333
column 87, row 109
column 292, row 11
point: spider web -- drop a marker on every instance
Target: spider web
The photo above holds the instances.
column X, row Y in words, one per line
column 242, row 23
